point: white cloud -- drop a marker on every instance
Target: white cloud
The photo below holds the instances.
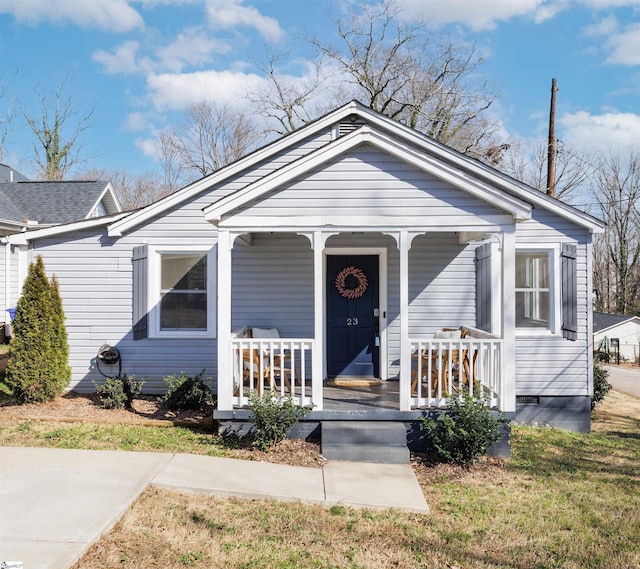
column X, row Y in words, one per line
column 123, row 59
column 109, row 15
column 228, row 14
column 624, row 46
column 477, row 14
column 191, row 47
column 137, row 121
column 604, row 27
column 612, row 130
column 148, row 146
column 170, row 91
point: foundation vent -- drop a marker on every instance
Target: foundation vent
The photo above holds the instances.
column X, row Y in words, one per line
column 527, row 400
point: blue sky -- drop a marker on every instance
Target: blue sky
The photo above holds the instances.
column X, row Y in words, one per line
column 141, row 62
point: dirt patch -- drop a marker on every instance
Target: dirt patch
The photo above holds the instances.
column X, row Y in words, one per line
column 73, row 406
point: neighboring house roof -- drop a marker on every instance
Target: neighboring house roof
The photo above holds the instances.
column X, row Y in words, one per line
column 52, row 203
column 356, row 113
column 603, row 321
column 8, row 174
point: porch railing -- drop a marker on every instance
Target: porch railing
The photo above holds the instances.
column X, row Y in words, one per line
column 441, row 369
column 282, row 365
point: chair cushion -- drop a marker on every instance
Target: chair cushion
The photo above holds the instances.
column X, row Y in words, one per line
column 447, row 334
column 266, row 333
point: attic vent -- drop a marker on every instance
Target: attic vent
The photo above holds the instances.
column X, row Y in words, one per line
column 347, row 126
column 527, row 400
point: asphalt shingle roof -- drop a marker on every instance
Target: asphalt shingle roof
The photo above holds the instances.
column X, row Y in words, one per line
column 49, row 202
column 602, row 320
column 5, row 174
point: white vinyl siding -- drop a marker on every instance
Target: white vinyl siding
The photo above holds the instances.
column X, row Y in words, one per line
column 551, row 365
column 366, row 183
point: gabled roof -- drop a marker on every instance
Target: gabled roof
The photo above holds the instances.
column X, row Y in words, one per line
column 473, row 170
column 8, row 174
column 366, row 135
column 603, row 321
column 52, row 203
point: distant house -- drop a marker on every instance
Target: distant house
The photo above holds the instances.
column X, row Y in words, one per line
column 26, row 205
column 623, row 330
column 353, row 249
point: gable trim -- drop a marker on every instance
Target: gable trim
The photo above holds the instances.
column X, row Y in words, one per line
column 112, row 194
column 366, row 135
column 118, row 229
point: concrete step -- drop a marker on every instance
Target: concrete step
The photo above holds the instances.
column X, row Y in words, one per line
column 365, row 441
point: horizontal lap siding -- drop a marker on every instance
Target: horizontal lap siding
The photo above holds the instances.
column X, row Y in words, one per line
column 554, row 366
column 95, row 276
column 366, row 182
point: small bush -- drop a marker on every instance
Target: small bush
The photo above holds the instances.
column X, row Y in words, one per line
column 273, row 417
column 600, row 384
column 184, row 392
column 464, row 434
column 118, row 392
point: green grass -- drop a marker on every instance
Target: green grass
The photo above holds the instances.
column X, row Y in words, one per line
column 111, row 437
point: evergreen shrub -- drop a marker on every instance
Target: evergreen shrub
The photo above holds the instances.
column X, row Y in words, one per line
column 465, row 433
column 185, row 392
column 273, row 417
column 601, row 385
column 118, row 392
column 38, row 368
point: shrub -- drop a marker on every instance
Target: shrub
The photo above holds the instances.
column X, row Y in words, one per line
column 38, row 369
column 464, row 434
column 118, row 392
column 273, row 417
column 600, row 384
column 184, row 392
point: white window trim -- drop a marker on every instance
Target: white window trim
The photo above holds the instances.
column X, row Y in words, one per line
column 555, row 318
column 153, row 291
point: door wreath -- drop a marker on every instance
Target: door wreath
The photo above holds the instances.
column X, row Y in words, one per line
column 344, row 288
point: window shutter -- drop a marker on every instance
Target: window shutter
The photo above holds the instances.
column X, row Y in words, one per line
column 483, row 287
column 140, row 328
column 569, row 292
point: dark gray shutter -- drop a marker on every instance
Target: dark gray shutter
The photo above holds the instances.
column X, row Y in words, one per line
column 140, row 328
column 483, row 287
column 569, row 292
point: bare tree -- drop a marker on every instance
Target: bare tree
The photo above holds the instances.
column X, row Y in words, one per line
column 7, row 116
column 209, row 137
column 133, row 191
column 429, row 82
column 58, row 126
column 617, row 264
column 528, row 163
column 286, row 102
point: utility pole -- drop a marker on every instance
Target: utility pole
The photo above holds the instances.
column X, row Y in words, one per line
column 551, row 156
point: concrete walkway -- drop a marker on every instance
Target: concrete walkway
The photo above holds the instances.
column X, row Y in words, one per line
column 54, row 503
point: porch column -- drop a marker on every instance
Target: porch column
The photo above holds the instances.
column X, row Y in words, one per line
column 225, row 376
column 508, row 395
column 317, row 371
column 405, row 349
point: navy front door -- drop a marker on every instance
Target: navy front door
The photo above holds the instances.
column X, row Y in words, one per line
column 352, row 316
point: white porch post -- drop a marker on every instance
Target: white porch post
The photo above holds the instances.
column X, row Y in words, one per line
column 225, row 376
column 317, row 371
column 405, row 348
column 508, row 395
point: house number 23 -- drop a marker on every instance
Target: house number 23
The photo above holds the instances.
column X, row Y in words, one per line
column 352, row 321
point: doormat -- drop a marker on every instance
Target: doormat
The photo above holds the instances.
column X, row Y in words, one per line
column 354, row 382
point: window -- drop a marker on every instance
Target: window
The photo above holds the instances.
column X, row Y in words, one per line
column 183, row 291
column 533, row 293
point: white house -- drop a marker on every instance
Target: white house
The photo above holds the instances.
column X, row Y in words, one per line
column 622, row 330
column 359, row 240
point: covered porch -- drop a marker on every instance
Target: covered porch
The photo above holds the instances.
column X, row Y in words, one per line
column 416, row 369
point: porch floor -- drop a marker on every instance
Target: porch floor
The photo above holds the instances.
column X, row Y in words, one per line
column 360, row 398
